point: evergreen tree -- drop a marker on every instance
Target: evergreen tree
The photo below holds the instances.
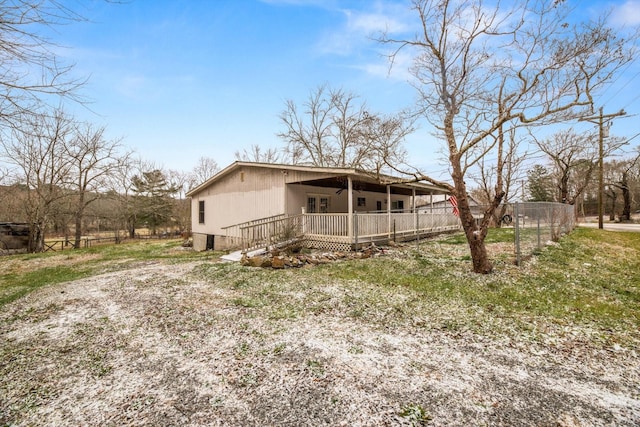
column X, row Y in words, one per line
column 154, row 201
column 540, row 184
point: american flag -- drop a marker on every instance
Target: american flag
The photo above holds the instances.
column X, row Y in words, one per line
column 454, row 203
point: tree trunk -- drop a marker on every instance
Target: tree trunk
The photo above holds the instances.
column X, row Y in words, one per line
column 479, row 255
column 626, row 198
column 475, row 234
column 78, row 233
column 36, row 238
column 612, row 212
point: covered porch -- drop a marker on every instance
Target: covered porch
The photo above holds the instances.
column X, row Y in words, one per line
column 347, row 211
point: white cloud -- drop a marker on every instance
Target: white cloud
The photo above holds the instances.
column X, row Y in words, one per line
column 626, row 14
column 360, row 27
column 383, row 69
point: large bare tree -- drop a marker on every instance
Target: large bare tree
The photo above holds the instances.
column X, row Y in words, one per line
column 573, row 157
column 333, row 128
column 39, row 163
column 481, row 69
column 622, row 177
column 93, row 158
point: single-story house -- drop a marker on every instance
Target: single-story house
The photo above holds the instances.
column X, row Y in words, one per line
column 249, row 205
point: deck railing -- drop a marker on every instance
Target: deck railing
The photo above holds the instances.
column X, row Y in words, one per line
column 333, row 224
column 367, row 226
column 372, row 225
column 265, row 234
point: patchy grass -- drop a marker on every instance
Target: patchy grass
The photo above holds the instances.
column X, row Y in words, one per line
column 589, row 280
column 152, row 334
column 22, row 274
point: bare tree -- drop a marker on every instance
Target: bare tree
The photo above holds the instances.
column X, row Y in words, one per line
column 622, row 177
column 481, row 70
column 204, row 169
column 39, row 162
column 31, row 73
column 509, row 163
column 93, row 159
column 258, row 154
column 182, row 182
column 574, row 158
column 334, row 129
column 121, row 192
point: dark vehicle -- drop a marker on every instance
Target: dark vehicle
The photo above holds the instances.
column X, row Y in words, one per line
column 14, row 235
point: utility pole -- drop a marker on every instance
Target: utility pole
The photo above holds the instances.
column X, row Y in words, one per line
column 599, row 120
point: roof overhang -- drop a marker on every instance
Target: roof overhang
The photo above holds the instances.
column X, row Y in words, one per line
column 335, row 178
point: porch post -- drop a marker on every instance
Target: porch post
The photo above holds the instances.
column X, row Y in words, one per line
column 350, row 209
column 389, row 211
column 415, row 210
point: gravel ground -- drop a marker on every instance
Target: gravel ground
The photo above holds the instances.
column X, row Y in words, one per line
column 159, row 345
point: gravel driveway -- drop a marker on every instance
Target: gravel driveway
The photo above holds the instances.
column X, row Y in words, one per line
column 162, row 344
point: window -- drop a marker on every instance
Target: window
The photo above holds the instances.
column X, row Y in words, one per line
column 201, row 211
column 362, row 201
column 324, row 204
column 311, row 205
column 397, row 205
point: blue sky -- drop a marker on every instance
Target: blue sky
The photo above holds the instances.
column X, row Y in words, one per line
column 178, row 79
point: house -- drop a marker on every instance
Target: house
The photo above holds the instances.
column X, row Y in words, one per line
column 441, row 201
column 248, row 205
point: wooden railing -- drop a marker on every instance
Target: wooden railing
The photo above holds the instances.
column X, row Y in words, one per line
column 334, row 224
column 365, row 226
column 266, row 234
column 368, row 225
column 236, row 230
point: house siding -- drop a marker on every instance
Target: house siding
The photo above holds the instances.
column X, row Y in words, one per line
column 252, row 192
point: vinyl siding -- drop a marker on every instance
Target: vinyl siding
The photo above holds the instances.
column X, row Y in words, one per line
column 246, row 194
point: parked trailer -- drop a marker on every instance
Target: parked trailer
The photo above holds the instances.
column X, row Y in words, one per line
column 14, row 236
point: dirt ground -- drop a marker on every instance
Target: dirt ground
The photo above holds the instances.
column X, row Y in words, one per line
column 156, row 345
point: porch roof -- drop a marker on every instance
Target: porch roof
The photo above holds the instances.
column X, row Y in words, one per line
column 335, row 178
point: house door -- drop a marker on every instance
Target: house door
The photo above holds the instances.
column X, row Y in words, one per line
column 317, row 204
column 209, row 242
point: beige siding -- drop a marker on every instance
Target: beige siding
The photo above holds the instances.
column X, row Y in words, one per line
column 244, row 195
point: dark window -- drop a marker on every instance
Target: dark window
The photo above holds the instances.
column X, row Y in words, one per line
column 311, row 205
column 397, row 205
column 201, row 211
column 362, row 201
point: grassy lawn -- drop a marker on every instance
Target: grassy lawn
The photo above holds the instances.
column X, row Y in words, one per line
column 154, row 334
column 21, row 274
column 590, row 281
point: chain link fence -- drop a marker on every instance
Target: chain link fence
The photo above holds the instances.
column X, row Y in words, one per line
column 536, row 223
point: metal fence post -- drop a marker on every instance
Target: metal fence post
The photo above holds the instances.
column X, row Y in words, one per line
column 517, row 231
column 539, row 229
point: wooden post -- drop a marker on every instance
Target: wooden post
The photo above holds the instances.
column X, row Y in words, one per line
column 350, row 208
column 389, row 211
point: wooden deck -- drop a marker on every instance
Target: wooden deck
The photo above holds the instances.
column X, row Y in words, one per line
column 340, row 231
